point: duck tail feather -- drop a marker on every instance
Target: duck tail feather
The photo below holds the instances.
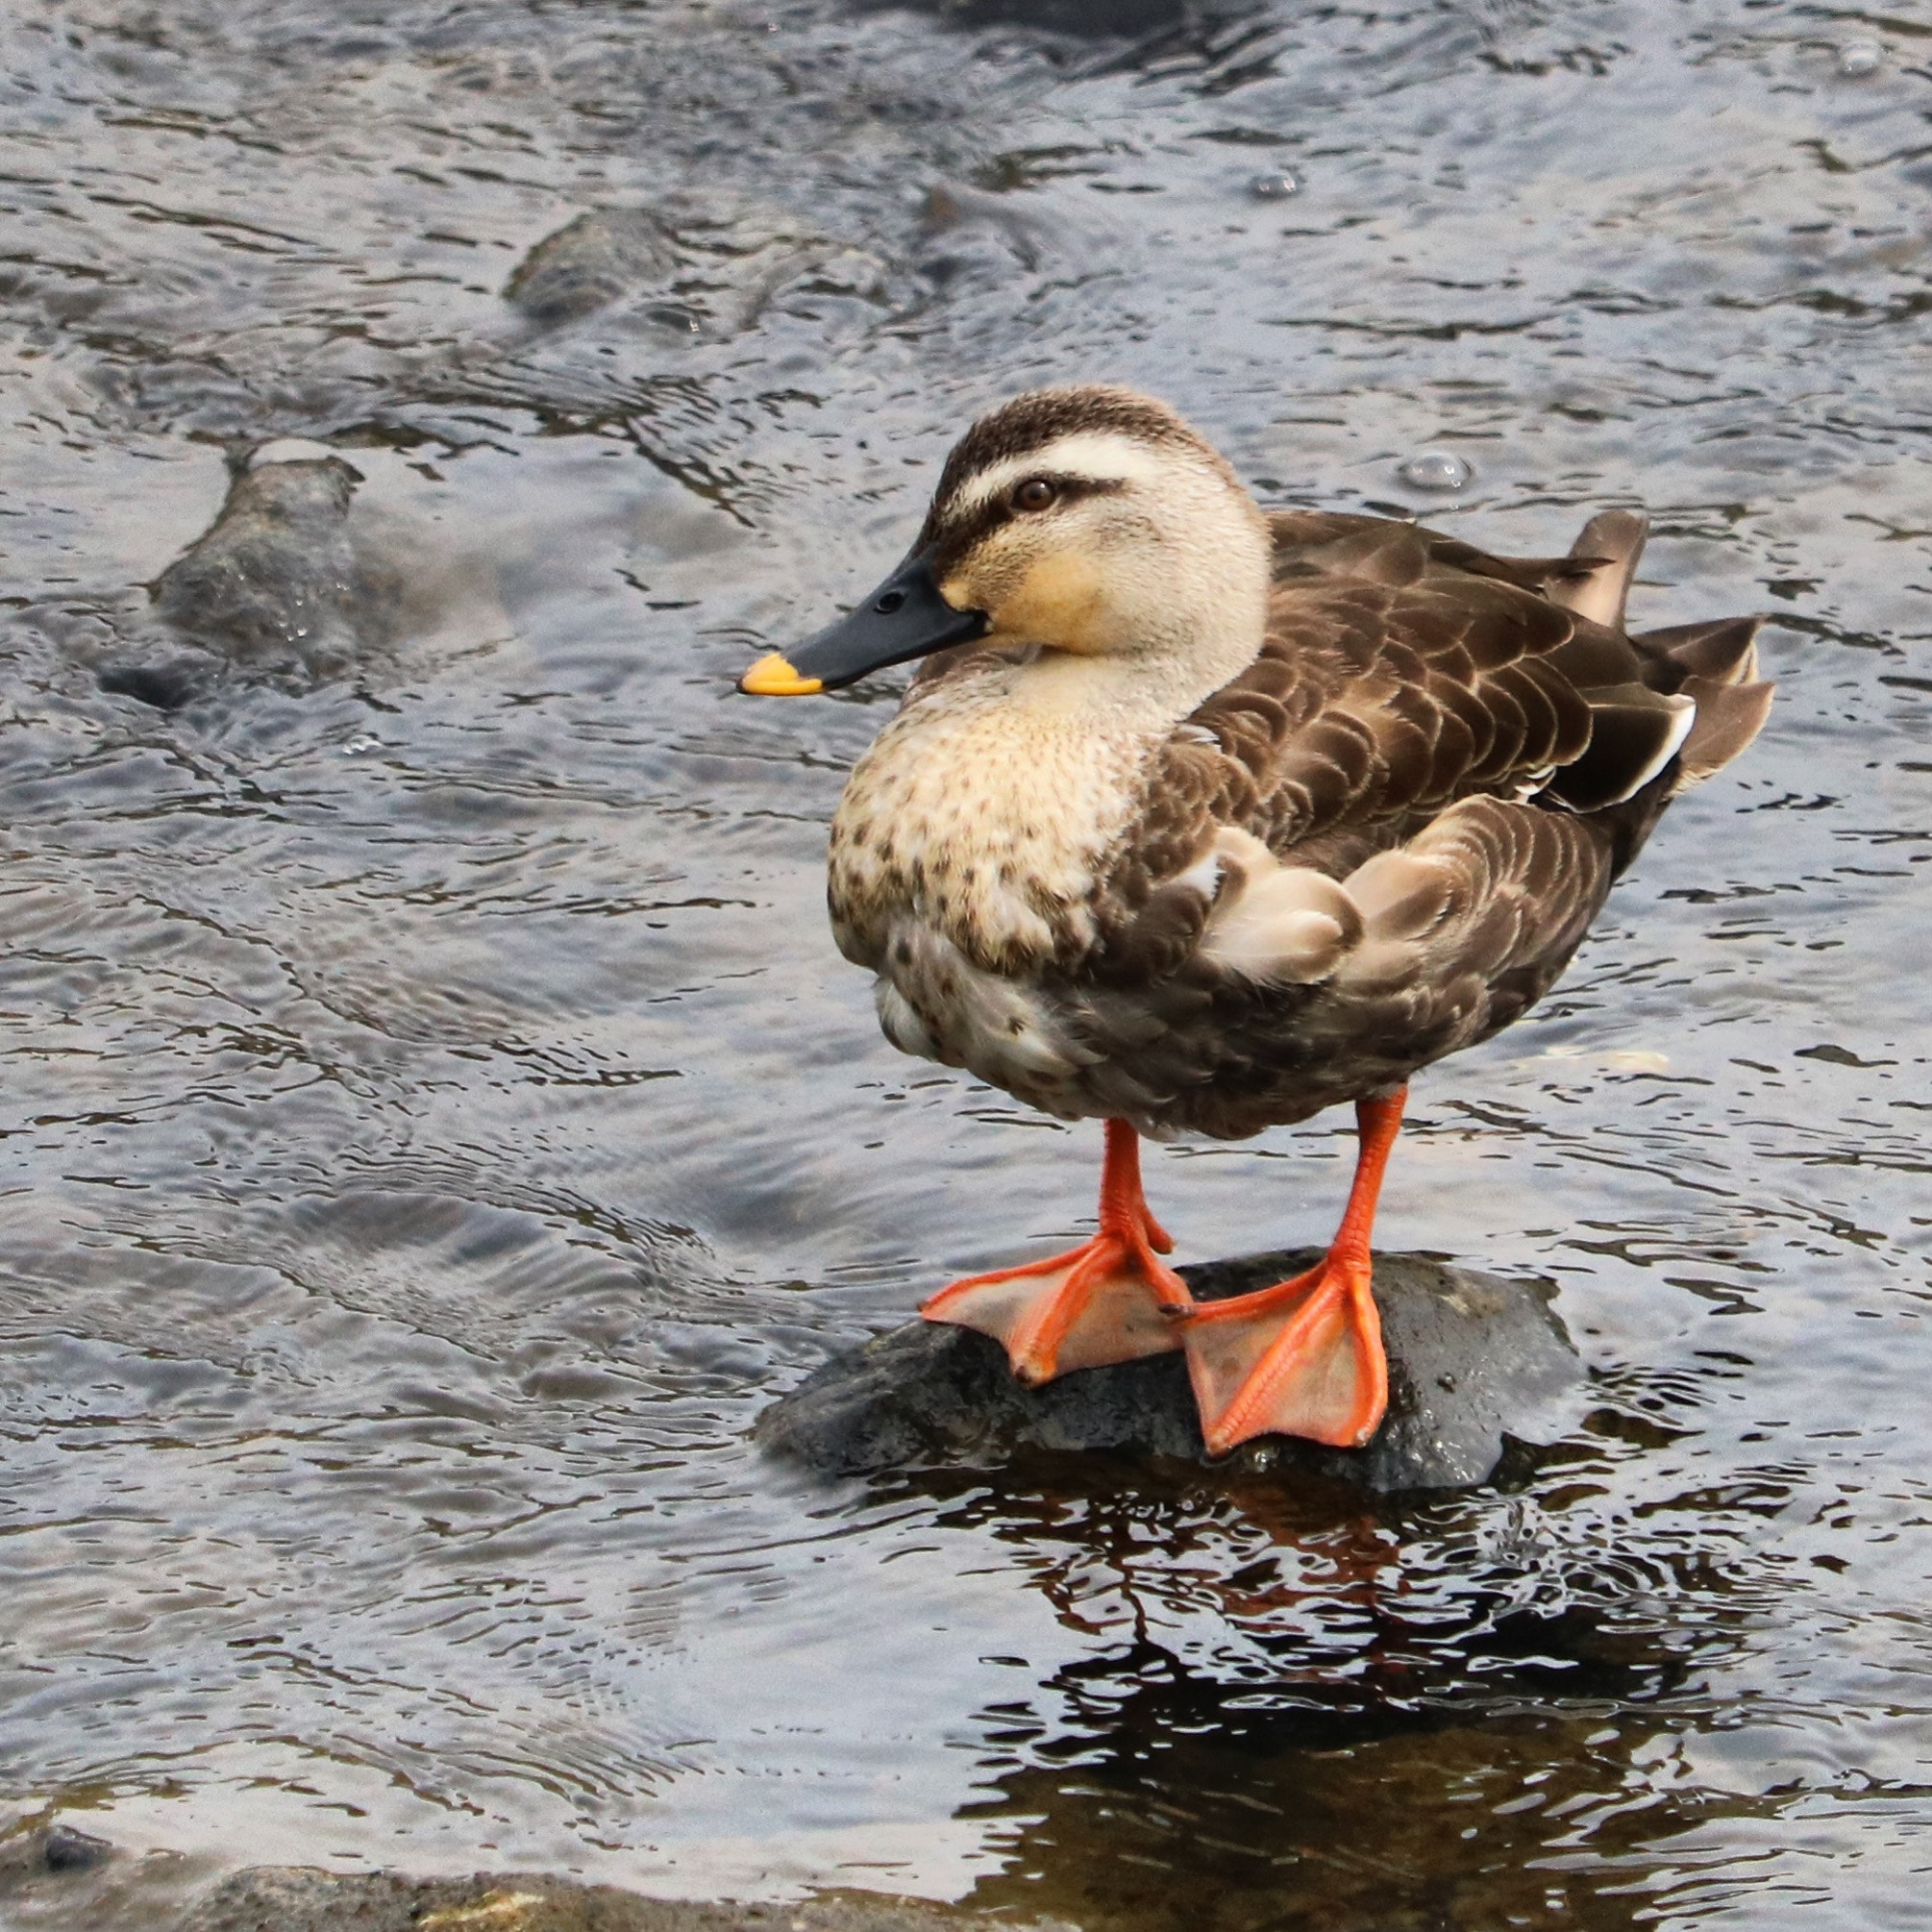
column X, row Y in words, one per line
column 1721, row 652
column 1615, row 538
column 1730, row 716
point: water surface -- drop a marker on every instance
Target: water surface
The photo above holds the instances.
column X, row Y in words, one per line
column 436, row 1119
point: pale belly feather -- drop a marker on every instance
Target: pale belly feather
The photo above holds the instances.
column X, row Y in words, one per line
column 965, row 854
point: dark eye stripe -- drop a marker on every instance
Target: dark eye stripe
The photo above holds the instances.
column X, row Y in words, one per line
column 1036, row 422
column 950, row 541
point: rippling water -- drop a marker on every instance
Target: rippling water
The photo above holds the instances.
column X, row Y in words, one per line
column 435, row 1120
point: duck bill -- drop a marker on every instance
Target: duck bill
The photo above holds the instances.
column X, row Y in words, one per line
column 905, row 617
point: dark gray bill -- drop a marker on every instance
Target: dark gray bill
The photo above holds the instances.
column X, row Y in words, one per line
column 905, row 617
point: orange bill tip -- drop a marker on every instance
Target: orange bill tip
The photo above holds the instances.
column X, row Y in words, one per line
column 773, row 677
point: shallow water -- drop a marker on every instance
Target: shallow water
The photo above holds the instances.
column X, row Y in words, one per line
column 436, row 1121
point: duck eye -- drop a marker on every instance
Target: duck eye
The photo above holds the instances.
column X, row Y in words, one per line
column 1035, row 493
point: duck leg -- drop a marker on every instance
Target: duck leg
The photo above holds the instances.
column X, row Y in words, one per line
column 1303, row 1358
column 1102, row 1302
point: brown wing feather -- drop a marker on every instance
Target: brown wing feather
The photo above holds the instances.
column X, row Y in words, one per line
column 1466, row 927
column 1412, row 695
column 1368, row 702
column 1404, row 670
column 1325, row 544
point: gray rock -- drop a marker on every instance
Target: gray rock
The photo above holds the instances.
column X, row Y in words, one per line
column 277, row 582
column 699, row 266
column 600, row 256
column 28, row 1850
column 66, row 1849
column 272, row 1898
column 1472, row 1358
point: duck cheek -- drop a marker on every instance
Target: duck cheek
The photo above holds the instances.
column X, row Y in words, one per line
column 1061, row 603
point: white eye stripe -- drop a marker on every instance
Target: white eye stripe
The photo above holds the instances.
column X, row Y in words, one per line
column 1091, row 455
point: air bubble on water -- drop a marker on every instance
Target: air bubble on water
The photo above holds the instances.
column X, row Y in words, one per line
column 1858, row 58
column 1277, row 184
column 1435, row 469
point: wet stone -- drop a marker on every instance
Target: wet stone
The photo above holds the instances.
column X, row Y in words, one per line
column 274, row 1898
column 699, row 265
column 1472, row 1359
column 600, row 256
column 276, row 584
column 30, row 1853
column 64, row 1850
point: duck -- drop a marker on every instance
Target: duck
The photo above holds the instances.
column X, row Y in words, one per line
column 1199, row 817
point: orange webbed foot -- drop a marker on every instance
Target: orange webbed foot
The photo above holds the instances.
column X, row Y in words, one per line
column 1111, row 1299
column 1103, row 1302
column 1301, row 1358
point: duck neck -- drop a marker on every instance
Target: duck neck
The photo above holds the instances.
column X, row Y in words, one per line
column 1153, row 680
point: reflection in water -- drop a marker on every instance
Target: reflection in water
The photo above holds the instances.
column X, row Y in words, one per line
column 1310, row 1709
column 1412, row 1821
column 434, row 1121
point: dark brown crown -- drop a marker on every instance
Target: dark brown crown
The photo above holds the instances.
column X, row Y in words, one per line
column 1040, row 418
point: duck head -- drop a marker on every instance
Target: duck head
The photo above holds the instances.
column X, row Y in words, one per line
column 1091, row 524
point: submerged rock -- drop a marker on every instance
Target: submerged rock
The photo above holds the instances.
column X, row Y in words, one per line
column 26, row 1854
column 600, row 256
column 66, row 1849
column 275, row 581
column 1472, row 1358
column 703, row 266
column 294, row 584
column 275, row 1898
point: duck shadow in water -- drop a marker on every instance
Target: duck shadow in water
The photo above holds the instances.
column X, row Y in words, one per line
column 1310, row 1706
